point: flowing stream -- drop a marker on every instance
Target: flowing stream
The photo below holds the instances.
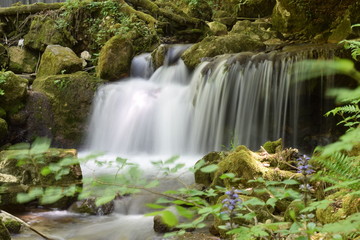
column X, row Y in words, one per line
column 236, row 99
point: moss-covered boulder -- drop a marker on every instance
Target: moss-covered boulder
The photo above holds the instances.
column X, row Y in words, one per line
column 217, row 28
column 217, row 45
column 258, row 30
column 70, row 96
column 206, row 178
column 273, row 146
column 12, row 225
column 45, row 31
column 58, row 60
column 4, row 58
column 3, row 130
column 15, row 89
column 343, row 206
column 17, row 178
column 312, row 17
column 225, row 17
column 22, row 60
column 115, row 58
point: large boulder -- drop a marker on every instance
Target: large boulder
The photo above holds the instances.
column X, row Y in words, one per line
column 45, row 31
column 255, row 8
column 59, row 60
column 22, row 60
column 15, row 89
column 70, row 96
column 20, row 172
column 217, row 45
column 115, row 58
column 257, row 30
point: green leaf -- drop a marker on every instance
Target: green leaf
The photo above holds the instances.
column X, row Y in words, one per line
column 45, row 171
column 152, row 184
column 254, row 202
column 105, row 199
column 271, row 202
column 154, row 206
column 40, row 145
column 290, row 182
column 20, row 146
column 210, row 168
column 31, row 195
column 169, row 218
column 171, row 160
column 227, row 175
column 185, row 212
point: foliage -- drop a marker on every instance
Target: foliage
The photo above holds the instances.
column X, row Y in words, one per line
column 2, row 80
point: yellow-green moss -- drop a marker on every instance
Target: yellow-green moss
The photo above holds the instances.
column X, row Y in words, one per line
column 58, row 60
column 273, row 146
column 115, row 58
column 15, row 89
column 22, row 60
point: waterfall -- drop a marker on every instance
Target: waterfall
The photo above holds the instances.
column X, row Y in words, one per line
column 245, row 98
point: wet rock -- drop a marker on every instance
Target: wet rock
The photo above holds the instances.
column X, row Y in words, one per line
column 224, row 17
column 217, row 28
column 218, row 45
column 70, row 96
column 15, row 90
column 22, row 60
column 88, row 206
column 115, row 58
column 58, row 60
column 15, row 178
column 44, row 31
column 160, row 226
column 341, row 28
column 158, row 55
column 40, row 119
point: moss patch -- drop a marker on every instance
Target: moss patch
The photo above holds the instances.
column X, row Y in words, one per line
column 22, row 60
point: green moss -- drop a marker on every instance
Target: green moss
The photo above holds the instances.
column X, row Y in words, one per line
column 22, row 60
column 115, row 58
column 71, row 96
column 213, row 46
column 343, row 206
column 273, row 146
column 217, row 28
column 57, row 60
column 12, row 225
column 15, row 89
column 242, row 163
column 44, row 31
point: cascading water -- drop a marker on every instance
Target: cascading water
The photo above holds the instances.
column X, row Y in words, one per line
column 243, row 99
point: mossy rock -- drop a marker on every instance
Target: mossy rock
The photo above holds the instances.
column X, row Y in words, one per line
column 58, row 60
column 343, row 205
column 22, row 60
column 4, row 57
column 158, row 55
column 12, row 225
column 217, row 28
column 243, row 163
column 70, row 96
column 88, row 206
column 273, row 146
column 341, row 28
column 3, row 130
column 257, row 30
column 15, row 90
column 4, row 232
column 45, row 31
column 224, row 17
column 17, row 178
column 218, row 45
column 207, row 178
column 115, row 58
